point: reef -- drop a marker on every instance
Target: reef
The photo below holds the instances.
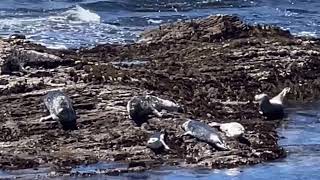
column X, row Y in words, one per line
column 213, row 67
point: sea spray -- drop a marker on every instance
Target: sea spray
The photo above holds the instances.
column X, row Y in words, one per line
column 82, row 15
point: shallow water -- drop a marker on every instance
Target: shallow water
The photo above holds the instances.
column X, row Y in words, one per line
column 74, row 23
column 300, row 136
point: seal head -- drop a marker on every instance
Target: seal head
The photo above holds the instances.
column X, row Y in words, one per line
column 272, row 108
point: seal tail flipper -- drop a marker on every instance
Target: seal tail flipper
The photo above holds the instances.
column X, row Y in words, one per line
column 278, row 99
column 46, row 118
column 222, row 146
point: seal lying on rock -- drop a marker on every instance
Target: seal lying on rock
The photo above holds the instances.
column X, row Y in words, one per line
column 140, row 107
column 156, row 142
column 232, row 129
column 60, row 109
column 272, row 108
column 204, row 132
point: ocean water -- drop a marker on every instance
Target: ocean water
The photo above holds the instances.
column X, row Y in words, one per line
column 74, row 23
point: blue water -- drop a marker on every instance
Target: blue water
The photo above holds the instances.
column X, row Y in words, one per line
column 61, row 23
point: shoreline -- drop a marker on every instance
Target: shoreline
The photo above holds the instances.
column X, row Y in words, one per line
column 212, row 66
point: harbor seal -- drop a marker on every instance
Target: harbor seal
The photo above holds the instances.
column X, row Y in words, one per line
column 231, row 129
column 204, row 133
column 157, row 142
column 140, row 107
column 16, row 36
column 60, row 109
column 272, row 108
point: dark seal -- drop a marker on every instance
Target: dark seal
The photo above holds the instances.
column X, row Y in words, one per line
column 272, row 108
column 141, row 107
column 60, row 109
column 17, row 36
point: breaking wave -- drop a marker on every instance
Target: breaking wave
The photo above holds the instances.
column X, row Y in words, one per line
column 80, row 14
column 74, row 23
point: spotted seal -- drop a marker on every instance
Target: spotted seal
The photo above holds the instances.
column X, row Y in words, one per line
column 272, row 108
column 60, row 109
column 204, row 132
column 140, row 107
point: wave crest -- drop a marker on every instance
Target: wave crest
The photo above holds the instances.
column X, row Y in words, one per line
column 83, row 15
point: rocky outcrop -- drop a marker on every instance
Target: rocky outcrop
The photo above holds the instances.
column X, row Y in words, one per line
column 213, row 67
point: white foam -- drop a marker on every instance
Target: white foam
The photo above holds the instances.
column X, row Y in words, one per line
column 54, row 46
column 306, row 33
column 232, row 172
column 82, row 15
column 153, row 21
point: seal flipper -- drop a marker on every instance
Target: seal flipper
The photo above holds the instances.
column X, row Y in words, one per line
column 221, row 146
column 163, row 143
column 46, row 118
column 157, row 113
column 278, row 99
column 187, row 133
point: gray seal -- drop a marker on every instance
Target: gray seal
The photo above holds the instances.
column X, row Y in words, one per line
column 272, row 108
column 204, row 132
column 60, row 109
column 157, row 141
column 141, row 107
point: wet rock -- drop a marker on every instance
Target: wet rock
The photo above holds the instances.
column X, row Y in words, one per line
column 211, row 29
column 213, row 67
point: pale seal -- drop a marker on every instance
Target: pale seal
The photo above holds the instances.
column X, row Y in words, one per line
column 272, row 108
column 231, row 129
column 204, row 133
column 60, row 109
column 157, row 142
column 140, row 107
